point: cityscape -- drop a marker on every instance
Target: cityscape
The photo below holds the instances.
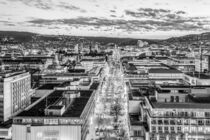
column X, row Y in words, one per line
column 105, row 70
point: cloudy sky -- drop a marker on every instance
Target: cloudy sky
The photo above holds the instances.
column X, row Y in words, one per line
column 112, row 18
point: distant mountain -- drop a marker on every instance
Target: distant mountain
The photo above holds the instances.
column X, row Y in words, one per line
column 19, row 37
column 16, row 36
column 190, row 38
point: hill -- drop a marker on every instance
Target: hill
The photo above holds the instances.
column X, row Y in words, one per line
column 19, row 37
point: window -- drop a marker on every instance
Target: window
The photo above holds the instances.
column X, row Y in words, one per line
column 28, row 129
column 179, row 129
column 207, row 114
column 160, row 121
column 200, row 122
column 160, row 129
column 193, row 129
column 172, row 129
column 154, row 122
column 186, row 122
column 137, row 133
column 172, row 122
column 172, row 99
column 193, row 114
column 166, row 129
column 166, row 122
column 177, row 98
column 207, row 122
column 153, row 129
column 179, row 122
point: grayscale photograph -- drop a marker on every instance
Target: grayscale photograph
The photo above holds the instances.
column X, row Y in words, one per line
column 105, row 69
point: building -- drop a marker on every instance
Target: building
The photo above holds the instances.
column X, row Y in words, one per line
column 32, row 62
column 61, row 115
column 202, row 63
column 15, row 91
column 176, row 116
column 162, row 73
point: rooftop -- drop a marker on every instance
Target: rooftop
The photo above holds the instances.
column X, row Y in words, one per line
column 76, row 70
column 184, row 86
column 199, row 75
column 55, row 107
column 74, row 110
column 48, row 86
column 181, row 105
column 159, row 70
column 94, row 86
column 10, row 73
column 191, row 101
column 65, row 74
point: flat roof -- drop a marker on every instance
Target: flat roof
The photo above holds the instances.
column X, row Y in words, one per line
column 159, row 70
column 6, row 124
column 65, row 74
column 5, row 74
column 94, row 86
column 199, row 75
column 181, row 105
column 185, row 86
column 76, row 70
column 196, row 102
column 48, row 86
column 55, row 107
column 74, row 110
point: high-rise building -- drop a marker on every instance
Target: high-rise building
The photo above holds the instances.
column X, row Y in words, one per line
column 15, row 93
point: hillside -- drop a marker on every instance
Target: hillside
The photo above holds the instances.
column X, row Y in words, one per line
column 20, row 37
column 190, row 38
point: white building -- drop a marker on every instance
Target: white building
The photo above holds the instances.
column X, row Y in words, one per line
column 15, row 92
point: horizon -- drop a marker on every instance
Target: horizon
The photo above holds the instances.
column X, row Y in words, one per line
column 102, row 36
column 137, row 19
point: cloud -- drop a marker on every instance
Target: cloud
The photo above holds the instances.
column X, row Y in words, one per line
column 112, row 11
column 180, row 12
column 125, row 25
column 67, row 6
column 7, row 23
column 165, row 20
column 113, row 16
column 40, row 4
column 49, row 5
column 148, row 13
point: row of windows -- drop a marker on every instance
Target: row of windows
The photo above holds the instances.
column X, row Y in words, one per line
column 180, row 122
column 179, row 129
column 48, row 121
column 180, row 114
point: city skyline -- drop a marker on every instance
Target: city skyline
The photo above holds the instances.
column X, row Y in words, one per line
column 152, row 19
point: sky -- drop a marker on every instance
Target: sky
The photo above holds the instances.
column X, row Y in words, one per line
column 152, row 19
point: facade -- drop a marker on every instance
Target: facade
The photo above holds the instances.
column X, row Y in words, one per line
column 165, row 74
column 178, row 117
column 15, row 93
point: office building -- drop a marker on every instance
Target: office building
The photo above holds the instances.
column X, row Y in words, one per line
column 15, row 93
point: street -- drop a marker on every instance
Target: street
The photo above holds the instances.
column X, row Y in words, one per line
column 110, row 118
